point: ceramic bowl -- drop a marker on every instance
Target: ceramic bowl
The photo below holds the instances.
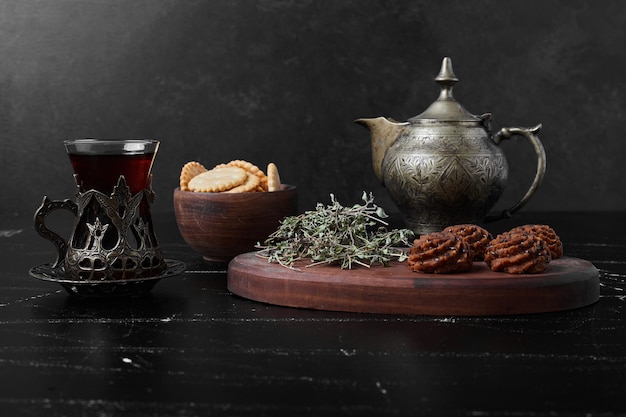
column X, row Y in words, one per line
column 221, row 226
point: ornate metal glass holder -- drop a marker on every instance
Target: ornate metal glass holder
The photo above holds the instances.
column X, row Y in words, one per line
column 112, row 237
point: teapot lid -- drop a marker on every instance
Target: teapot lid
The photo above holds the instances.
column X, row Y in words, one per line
column 446, row 108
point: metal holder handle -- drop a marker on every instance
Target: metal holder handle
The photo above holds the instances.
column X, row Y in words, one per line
column 47, row 207
column 530, row 134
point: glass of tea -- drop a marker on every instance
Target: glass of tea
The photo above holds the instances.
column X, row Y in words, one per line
column 112, row 236
column 99, row 163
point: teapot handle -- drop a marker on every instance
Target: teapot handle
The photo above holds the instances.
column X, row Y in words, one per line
column 530, row 134
column 47, row 207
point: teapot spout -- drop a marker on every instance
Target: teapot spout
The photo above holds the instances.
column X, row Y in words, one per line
column 383, row 132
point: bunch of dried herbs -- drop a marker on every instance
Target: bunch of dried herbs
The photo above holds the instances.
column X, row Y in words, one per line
column 335, row 234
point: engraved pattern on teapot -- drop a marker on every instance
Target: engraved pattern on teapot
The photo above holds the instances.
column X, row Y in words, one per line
column 444, row 169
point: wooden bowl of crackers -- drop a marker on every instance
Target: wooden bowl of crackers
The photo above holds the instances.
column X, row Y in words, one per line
column 225, row 211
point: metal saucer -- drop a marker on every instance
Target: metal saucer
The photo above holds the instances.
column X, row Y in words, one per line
column 135, row 287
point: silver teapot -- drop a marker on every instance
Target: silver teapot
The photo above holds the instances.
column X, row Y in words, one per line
column 444, row 166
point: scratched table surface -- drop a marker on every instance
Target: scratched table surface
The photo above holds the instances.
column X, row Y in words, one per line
column 191, row 348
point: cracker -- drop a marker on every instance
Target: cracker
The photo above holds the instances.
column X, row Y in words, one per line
column 190, row 170
column 251, row 184
column 250, row 168
column 218, row 180
column 273, row 178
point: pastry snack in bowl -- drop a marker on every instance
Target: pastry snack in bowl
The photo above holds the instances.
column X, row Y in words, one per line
column 218, row 180
column 190, row 170
column 273, row 178
column 236, row 176
column 224, row 211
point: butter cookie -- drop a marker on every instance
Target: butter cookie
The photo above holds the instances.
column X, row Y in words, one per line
column 218, row 180
column 251, row 169
column 251, row 183
column 190, row 170
column 273, row 177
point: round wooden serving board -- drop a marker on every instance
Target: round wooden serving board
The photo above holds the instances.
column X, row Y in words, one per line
column 566, row 283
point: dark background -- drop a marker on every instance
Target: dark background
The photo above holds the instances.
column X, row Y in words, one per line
column 283, row 80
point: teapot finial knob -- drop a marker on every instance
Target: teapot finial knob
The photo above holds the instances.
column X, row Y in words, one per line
column 446, row 108
column 446, row 78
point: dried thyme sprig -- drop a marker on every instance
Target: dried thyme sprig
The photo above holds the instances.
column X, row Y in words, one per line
column 337, row 234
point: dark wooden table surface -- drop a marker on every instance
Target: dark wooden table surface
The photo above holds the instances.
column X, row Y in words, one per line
column 191, row 348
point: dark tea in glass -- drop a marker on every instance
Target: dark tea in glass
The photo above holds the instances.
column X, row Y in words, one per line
column 98, row 164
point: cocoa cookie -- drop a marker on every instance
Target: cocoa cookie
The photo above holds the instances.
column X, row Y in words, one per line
column 545, row 233
column 517, row 253
column 440, row 253
column 476, row 237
